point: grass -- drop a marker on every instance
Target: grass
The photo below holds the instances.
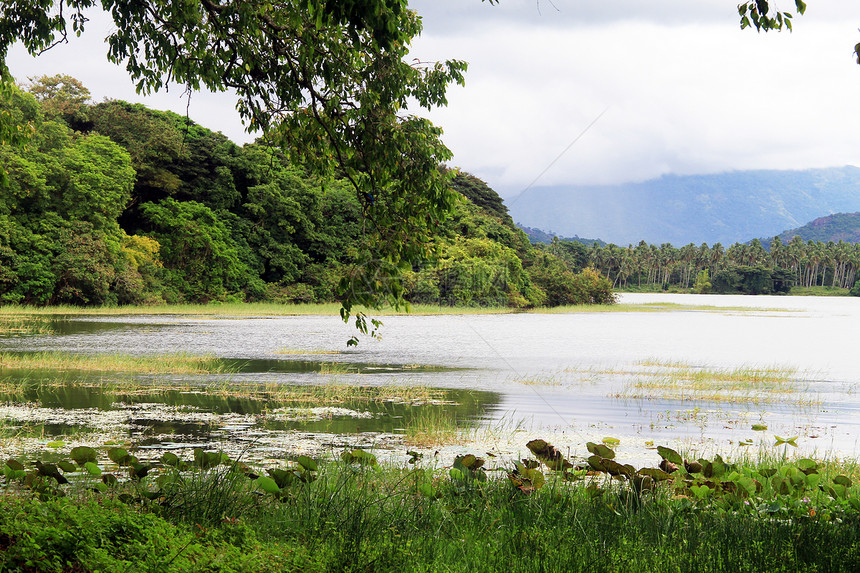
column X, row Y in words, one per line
column 174, row 363
column 433, row 427
column 17, row 315
column 747, row 384
column 342, row 516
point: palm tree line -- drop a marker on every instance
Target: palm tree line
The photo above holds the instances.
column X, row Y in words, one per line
column 810, row 263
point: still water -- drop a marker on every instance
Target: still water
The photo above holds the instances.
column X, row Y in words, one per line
column 695, row 371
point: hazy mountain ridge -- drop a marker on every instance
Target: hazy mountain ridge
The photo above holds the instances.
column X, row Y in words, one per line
column 836, row 227
column 725, row 208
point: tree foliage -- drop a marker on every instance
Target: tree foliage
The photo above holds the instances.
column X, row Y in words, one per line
column 325, row 81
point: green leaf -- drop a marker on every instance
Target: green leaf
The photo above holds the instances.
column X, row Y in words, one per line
column 93, row 469
column 267, row 484
column 119, row 456
column 842, row 480
column 67, row 467
column 759, row 427
column 600, row 450
column 83, row 454
column 307, row 463
column 670, row 455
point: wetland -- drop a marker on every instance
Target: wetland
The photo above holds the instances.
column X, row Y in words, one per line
column 697, row 372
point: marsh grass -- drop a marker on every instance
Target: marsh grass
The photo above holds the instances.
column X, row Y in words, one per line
column 745, row 384
column 174, row 363
column 433, row 427
column 25, row 325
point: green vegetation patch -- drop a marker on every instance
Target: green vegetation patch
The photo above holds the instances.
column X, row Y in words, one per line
column 105, row 509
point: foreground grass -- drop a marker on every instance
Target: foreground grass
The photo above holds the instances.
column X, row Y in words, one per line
column 357, row 516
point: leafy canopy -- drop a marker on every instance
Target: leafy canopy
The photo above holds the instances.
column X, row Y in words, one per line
column 327, row 81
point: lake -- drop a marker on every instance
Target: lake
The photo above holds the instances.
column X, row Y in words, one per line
column 695, row 372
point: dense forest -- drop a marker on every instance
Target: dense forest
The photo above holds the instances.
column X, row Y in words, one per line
column 741, row 268
column 114, row 203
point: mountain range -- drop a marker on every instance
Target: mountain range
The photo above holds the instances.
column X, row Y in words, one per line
column 681, row 209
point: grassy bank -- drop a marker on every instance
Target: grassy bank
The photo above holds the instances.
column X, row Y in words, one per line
column 774, row 514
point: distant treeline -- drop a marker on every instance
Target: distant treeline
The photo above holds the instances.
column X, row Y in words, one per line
column 115, row 203
column 748, row 268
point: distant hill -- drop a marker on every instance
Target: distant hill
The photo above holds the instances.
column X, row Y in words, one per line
column 539, row 236
column 836, row 227
column 725, row 208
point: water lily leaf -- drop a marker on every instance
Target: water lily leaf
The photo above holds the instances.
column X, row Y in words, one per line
column 50, row 470
column 83, row 454
column 759, row 427
column 600, row 450
column 807, row 466
column 93, row 469
column 550, row 455
column 854, row 502
column 596, row 462
column 307, row 463
column 207, row 460
column 790, row 441
column 100, row 487
column 427, row 490
column 267, row 484
column 768, row 472
column 670, row 455
column 55, row 444
column 14, row 464
column 610, row 441
column 747, row 484
column 693, row 467
column 642, row 483
column 283, row 478
column 616, row 469
column 780, row 485
column 170, row 459
column 361, row 457
column 701, row 491
column 842, row 480
column 654, row 473
column 838, row 491
column 119, row 456
column 67, row 467
column 138, row 470
column 109, row 479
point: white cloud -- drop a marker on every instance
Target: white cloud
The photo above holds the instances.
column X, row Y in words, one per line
column 688, row 97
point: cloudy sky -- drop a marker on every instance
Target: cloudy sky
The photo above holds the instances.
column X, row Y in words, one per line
column 674, row 87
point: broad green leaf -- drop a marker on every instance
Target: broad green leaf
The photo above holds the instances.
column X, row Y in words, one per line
column 307, row 463
column 93, row 469
column 670, row 455
column 83, row 454
column 267, row 484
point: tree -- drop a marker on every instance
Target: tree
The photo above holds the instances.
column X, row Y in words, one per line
column 61, row 96
column 326, row 81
